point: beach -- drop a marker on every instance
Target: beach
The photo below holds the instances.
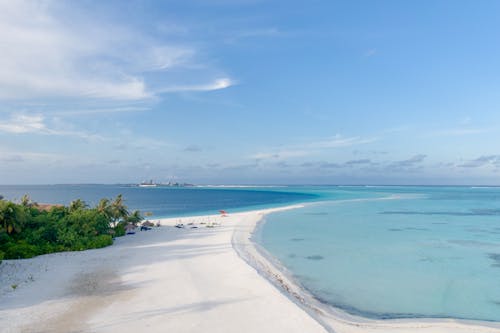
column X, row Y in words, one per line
column 212, row 279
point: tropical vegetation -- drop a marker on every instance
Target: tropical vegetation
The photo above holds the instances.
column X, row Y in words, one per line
column 28, row 229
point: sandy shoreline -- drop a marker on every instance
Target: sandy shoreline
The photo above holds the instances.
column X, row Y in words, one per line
column 179, row 280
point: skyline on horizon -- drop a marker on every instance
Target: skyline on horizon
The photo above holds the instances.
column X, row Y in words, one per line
column 250, row 92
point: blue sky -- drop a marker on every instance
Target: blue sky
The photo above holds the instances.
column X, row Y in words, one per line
column 250, row 92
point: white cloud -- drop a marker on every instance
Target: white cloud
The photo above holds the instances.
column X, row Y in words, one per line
column 458, row 131
column 217, row 84
column 42, row 57
column 21, row 156
column 103, row 110
column 48, row 54
column 411, row 162
column 279, row 154
column 23, row 124
column 482, row 161
column 339, row 141
column 311, row 148
column 164, row 57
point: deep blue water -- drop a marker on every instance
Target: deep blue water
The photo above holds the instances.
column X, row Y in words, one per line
column 427, row 252
column 162, row 201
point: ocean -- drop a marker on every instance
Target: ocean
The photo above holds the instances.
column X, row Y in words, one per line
column 395, row 252
column 378, row 251
column 162, row 201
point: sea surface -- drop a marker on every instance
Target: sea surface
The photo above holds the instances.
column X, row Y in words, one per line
column 378, row 251
column 395, row 252
column 162, row 201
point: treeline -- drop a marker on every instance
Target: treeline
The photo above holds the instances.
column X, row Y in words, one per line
column 28, row 229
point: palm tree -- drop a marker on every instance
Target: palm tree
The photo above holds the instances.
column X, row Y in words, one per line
column 77, row 204
column 118, row 210
column 103, row 206
column 115, row 211
column 12, row 217
column 135, row 217
column 26, row 201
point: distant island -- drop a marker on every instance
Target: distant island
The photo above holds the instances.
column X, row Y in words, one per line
column 151, row 183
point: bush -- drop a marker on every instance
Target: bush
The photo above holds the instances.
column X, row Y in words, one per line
column 101, row 241
column 119, row 230
column 20, row 250
column 4, row 238
column 1, row 256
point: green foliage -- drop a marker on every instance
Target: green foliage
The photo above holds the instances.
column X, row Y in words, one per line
column 58, row 212
column 119, row 230
column 27, row 231
column 118, row 210
column 12, row 217
column 102, row 241
column 26, row 201
column 20, row 249
column 134, row 218
column 77, row 204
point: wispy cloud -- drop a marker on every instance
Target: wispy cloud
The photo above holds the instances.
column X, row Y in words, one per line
column 351, row 164
column 410, row 163
column 217, row 84
column 99, row 110
column 193, row 149
column 486, row 160
column 458, row 131
column 279, row 154
column 339, row 141
column 358, row 162
column 44, row 57
column 363, row 167
column 36, row 124
column 23, row 124
column 311, row 147
column 22, row 156
column 329, row 165
column 46, row 54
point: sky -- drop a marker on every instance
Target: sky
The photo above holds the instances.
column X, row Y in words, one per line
column 250, row 92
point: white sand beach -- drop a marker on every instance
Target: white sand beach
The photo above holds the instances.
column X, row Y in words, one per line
column 178, row 280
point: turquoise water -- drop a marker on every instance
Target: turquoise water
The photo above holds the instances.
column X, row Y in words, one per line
column 427, row 252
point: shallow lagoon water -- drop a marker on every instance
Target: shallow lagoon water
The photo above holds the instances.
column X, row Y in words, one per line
column 426, row 252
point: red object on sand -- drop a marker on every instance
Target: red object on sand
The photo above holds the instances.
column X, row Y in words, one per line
column 223, row 212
